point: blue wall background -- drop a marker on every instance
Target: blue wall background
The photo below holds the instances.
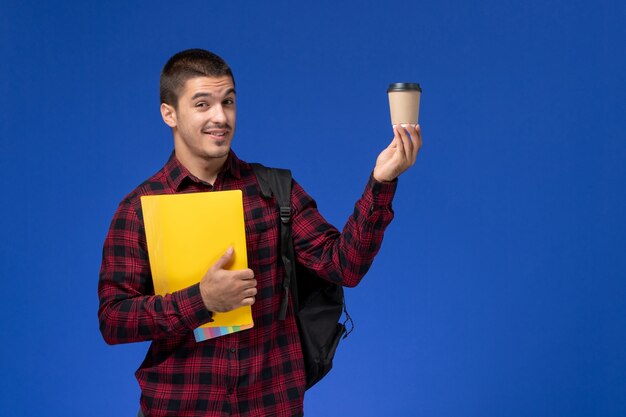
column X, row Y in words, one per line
column 501, row 283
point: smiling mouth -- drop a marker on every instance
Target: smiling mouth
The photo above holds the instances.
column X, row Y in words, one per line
column 216, row 133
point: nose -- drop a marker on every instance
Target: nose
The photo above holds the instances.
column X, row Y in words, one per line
column 218, row 116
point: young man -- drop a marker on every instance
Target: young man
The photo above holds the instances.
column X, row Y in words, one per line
column 256, row 372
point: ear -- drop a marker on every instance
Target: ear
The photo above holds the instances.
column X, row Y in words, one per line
column 168, row 113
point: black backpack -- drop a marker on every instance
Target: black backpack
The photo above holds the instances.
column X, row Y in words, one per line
column 317, row 303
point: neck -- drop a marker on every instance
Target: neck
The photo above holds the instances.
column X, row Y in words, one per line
column 205, row 169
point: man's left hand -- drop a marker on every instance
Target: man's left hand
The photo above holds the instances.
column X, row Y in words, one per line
column 400, row 154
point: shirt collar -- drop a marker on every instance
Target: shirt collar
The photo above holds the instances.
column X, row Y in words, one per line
column 176, row 172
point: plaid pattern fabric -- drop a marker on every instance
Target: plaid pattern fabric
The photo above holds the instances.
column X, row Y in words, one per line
column 257, row 372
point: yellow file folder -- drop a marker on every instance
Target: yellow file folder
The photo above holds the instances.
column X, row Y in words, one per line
column 186, row 235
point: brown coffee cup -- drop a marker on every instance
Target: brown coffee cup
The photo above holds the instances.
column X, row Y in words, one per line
column 404, row 103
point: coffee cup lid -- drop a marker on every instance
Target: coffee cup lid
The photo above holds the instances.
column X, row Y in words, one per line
column 404, row 87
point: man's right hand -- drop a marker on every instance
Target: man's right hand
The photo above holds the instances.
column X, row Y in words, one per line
column 225, row 290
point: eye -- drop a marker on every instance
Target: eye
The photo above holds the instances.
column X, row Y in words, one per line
column 202, row 104
column 229, row 101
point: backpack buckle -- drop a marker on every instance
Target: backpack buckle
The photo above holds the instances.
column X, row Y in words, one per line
column 285, row 214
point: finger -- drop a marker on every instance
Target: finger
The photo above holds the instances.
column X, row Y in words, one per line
column 248, row 293
column 243, row 286
column 249, row 283
column 246, row 275
column 248, row 301
column 224, row 259
column 398, row 138
column 406, row 142
column 415, row 138
column 418, row 141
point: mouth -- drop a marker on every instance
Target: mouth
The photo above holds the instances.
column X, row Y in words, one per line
column 217, row 134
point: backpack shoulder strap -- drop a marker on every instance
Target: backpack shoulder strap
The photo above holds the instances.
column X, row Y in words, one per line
column 277, row 182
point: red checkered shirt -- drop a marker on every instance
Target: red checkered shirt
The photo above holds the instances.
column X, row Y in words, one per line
column 256, row 372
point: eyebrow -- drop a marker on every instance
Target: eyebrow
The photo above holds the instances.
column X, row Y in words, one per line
column 203, row 94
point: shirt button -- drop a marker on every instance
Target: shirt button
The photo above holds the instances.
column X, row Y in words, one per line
column 233, row 350
column 231, row 391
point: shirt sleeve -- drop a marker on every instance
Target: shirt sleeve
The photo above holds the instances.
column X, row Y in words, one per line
column 347, row 256
column 129, row 311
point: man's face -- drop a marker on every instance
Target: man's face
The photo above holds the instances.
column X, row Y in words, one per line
column 204, row 121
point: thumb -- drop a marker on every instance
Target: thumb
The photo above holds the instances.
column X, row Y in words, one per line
column 224, row 259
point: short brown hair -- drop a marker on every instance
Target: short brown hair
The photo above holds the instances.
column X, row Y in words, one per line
column 188, row 64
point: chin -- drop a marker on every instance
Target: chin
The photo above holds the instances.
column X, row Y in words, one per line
column 218, row 153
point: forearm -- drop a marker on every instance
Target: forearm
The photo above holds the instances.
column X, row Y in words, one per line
column 129, row 311
column 131, row 317
column 343, row 257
